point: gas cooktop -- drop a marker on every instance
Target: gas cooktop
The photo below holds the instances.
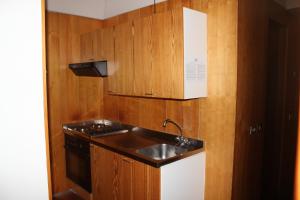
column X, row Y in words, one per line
column 96, row 128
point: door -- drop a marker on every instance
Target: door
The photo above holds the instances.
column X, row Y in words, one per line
column 250, row 105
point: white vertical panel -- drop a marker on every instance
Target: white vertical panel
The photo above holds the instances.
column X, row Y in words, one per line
column 195, row 53
column 184, row 179
column 23, row 171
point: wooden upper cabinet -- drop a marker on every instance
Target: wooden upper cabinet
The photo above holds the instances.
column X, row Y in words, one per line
column 164, row 67
column 179, row 54
column 143, row 56
column 163, row 56
column 108, row 53
column 124, row 75
column 88, row 46
column 98, row 45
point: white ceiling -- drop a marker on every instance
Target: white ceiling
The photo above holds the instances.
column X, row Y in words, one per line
column 99, row 9
column 86, row 8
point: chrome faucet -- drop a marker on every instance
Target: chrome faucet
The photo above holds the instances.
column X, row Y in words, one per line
column 180, row 139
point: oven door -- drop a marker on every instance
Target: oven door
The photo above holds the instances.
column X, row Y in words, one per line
column 78, row 161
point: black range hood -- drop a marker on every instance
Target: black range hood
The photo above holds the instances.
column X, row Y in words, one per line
column 93, row 69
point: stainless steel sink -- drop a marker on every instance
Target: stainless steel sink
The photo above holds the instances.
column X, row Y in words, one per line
column 161, row 151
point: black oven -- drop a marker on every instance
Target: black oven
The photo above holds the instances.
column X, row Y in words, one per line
column 78, row 161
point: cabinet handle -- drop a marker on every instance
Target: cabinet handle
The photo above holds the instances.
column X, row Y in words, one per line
column 148, row 94
column 127, row 160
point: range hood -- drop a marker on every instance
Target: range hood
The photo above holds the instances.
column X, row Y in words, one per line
column 92, row 69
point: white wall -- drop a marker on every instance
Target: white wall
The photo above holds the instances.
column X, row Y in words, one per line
column 86, row 8
column 98, row 9
column 23, row 172
column 115, row 7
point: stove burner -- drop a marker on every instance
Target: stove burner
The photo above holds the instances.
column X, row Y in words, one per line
column 95, row 128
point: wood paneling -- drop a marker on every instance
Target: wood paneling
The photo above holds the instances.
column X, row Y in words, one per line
column 70, row 98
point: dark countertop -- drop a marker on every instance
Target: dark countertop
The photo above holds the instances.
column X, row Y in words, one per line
column 128, row 143
column 136, row 138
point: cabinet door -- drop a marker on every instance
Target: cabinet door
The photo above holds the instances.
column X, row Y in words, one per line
column 143, row 56
column 136, row 180
column 108, row 53
column 116, row 177
column 167, row 67
column 124, row 75
column 125, row 178
column 104, row 165
column 98, row 49
column 87, row 46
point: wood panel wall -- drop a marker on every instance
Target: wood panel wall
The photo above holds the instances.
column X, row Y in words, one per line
column 70, row 98
column 211, row 119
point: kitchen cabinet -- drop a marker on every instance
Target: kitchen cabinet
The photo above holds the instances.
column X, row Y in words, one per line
column 143, row 56
column 167, row 66
column 162, row 55
column 118, row 177
column 88, row 46
column 124, row 74
column 107, row 52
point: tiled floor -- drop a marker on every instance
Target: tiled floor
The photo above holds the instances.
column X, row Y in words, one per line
column 69, row 195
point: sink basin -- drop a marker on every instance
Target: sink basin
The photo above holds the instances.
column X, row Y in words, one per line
column 161, row 151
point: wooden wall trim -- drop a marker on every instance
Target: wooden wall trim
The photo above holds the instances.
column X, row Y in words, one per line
column 43, row 9
column 295, row 27
column 297, row 168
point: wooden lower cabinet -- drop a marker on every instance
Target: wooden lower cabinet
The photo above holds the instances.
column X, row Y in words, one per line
column 116, row 177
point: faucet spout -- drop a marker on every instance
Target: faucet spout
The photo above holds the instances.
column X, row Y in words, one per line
column 165, row 122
